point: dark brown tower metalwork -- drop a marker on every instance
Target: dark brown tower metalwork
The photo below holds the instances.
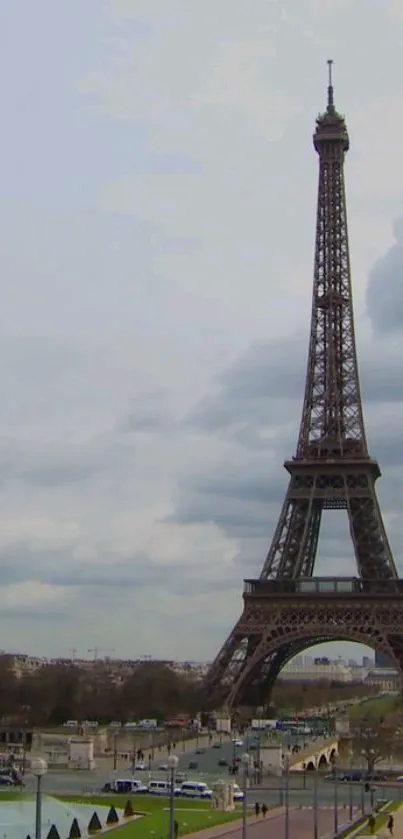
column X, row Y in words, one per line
column 288, row 609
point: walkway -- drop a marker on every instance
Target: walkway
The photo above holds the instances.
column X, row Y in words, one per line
column 383, row 831
column 301, row 825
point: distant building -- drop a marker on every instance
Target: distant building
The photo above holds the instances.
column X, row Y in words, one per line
column 318, row 671
column 383, row 661
column 385, row 680
column 367, row 661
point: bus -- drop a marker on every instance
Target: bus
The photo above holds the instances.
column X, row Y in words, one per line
column 293, row 726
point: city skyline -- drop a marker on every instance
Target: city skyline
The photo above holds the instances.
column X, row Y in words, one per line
column 157, row 241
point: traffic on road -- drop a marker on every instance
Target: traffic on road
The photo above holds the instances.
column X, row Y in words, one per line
column 198, row 770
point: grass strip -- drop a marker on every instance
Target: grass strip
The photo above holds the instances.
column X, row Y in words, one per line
column 381, row 818
column 361, row 825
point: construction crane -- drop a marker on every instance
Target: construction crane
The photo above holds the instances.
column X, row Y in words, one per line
column 96, row 651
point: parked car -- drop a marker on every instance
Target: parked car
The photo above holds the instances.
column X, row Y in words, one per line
column 376, row 776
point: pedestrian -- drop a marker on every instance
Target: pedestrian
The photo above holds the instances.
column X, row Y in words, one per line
column 391, row 824
column 264, row 809
column 257, row 809
column 371, row 823
column 176, row 829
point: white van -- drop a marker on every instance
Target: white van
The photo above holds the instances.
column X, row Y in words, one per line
column 194, row 789
column 125, row 785
column 159, row 787
column 238, row 794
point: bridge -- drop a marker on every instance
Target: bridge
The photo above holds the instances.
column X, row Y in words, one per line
column 319, row 756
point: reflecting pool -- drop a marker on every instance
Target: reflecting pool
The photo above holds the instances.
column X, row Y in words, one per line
column 17, row 818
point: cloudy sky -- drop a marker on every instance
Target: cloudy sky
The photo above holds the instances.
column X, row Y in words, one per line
column 157, row 230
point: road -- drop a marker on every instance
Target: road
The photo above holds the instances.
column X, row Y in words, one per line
column 208, row 758
column 301, row 790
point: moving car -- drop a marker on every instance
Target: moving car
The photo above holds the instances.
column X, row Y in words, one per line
column 125, row 785
column 238, row 794
column 194, row 789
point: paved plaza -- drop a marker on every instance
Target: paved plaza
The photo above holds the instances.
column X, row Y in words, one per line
column 301, row 824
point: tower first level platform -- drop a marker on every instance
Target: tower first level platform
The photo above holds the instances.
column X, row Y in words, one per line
column 316, row 609
column 283, row 617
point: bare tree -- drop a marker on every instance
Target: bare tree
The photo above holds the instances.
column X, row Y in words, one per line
column 374, row 740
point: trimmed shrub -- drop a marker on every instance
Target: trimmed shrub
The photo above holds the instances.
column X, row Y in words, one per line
column 94, row 825
column 113, row 817
column 75, row 832
column 128, row 811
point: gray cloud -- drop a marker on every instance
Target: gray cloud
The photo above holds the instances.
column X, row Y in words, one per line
column 148, row 413
column 21, row 563
column 264, row 388
column 385, row 287
column 50, row 466
column 169, row 240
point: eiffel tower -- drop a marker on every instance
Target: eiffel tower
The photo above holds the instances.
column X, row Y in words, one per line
column 288, row 609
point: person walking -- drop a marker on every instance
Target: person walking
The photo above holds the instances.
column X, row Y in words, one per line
column 264, row 809
column 257, row 809
column 371, row 823
column 391, row 824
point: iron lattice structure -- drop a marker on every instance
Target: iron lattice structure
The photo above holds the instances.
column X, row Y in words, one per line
column 288, row 609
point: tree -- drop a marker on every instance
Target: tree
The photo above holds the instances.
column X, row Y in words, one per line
column 298, row 696
column 8, row 686
column 374, row 740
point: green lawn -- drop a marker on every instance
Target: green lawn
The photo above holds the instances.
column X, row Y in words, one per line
column 154, row 824
column 377, row 706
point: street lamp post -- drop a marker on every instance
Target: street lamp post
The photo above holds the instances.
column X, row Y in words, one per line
column 336, row 799
column 350, row 802
column 287, row 797
column 115, row 751
column 172, row 766
column 245, row 768
column 315, row 805
column 372, row 788
column 39, row 768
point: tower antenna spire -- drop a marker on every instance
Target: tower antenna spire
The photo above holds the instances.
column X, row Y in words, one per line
column 330, row 102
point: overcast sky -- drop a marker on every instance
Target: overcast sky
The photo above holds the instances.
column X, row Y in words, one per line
column 157, row 231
